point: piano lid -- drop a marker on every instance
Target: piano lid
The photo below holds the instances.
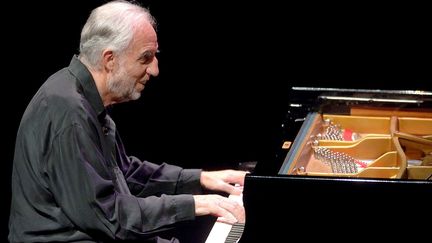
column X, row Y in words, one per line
column 329, row 99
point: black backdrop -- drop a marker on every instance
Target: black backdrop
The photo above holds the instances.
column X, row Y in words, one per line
column 225, row 69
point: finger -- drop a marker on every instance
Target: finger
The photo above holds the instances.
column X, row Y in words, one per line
column 234, row 209
column 236, row 190
column 236, row 177
column 226, row 221
column 230, row 189
column 225, row 215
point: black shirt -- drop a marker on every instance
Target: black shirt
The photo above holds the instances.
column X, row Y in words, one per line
column 72, row 180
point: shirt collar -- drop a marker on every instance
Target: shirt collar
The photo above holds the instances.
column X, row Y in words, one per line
column 83, row 75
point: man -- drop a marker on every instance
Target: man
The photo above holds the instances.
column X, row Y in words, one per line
column 72, row 180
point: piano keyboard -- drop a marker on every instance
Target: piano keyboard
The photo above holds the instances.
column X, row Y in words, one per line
column 226, row 233
column 235, row 233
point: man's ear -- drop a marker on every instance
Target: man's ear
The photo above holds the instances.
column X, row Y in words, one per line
column 108, row 60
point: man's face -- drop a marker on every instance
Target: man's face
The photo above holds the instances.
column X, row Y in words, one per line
column 134, row 67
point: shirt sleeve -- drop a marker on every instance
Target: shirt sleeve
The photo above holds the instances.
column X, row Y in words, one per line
column 145, row 178
column 80, row 180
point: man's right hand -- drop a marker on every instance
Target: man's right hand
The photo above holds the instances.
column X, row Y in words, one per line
column 228, row 210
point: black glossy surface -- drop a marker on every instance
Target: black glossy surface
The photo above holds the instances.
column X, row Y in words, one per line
column 293, row 208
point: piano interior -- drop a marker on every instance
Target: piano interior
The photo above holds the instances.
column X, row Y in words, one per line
column 363, row 146
column 369, row 136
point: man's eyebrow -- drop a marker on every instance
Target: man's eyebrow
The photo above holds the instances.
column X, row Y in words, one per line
column 147, row 54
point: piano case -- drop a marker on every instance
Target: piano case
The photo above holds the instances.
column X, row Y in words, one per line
column 359, row 166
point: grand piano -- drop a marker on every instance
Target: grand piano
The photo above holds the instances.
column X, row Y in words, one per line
column 352, row 164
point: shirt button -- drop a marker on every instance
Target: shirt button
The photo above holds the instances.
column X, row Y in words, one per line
column 105, row 130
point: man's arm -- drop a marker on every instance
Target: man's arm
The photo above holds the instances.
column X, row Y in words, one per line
column 81, row 183
column 145, row 178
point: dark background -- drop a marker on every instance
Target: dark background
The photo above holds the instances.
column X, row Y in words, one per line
column 225, row 70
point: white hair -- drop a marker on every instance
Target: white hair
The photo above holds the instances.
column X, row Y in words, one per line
column 110, row 26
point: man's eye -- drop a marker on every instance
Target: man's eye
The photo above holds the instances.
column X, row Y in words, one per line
column 147, row 58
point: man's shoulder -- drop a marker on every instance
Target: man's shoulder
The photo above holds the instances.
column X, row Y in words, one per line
column 62, row 88
column 59, row 97
column 60, row 83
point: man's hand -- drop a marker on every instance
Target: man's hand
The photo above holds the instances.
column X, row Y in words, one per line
column 224, row 180
column 228, row 210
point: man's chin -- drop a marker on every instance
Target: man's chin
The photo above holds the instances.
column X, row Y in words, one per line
column 135, row 96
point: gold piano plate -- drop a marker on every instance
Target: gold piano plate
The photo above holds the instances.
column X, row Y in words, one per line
column 362, row 146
